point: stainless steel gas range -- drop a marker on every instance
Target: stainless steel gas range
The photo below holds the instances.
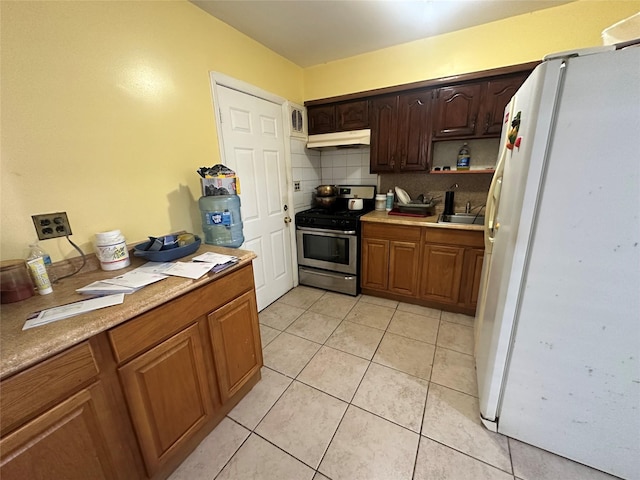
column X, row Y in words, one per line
column 328, row 241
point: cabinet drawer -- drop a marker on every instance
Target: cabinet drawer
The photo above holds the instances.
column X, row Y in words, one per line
column 468, row 238
column 151, row 328
column 32, row 391
column 402, row 233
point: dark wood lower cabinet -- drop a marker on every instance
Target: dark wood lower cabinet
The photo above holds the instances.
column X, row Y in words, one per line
column 435, row 267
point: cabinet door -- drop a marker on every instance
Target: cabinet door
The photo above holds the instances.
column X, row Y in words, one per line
column 414, row 131
column 472, row 274
column 457, row 110
column 235, row 336
column 321, row 119
column 441, row 273
column 169, row 394
column 403, row 268
column 67, row 441
column 384, row 119
column 497, row 94
column 375, row 264
column 352, row 115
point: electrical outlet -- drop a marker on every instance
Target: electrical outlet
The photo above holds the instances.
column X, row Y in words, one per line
column 296, row 186
column 51, row 225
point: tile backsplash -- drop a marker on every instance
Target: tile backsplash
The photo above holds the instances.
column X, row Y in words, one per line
column 340, row 166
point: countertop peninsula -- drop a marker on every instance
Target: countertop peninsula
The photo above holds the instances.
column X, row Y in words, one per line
column 20, row 349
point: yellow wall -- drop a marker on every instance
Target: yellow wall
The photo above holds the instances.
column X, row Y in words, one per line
column 519, row 39
column 107, row 114
column 106, row 105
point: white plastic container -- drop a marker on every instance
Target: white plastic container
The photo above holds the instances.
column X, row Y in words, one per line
column 389, row 204
column 381, row 202
column 111, row 250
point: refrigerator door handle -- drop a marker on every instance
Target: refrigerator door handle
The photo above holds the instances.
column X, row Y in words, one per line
column 493, row 199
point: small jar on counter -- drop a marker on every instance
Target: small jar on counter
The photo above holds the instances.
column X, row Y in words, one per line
column 111, row 250
column 15, row 282
column 381, row 201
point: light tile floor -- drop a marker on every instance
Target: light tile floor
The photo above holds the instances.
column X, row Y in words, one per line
column 365, row 388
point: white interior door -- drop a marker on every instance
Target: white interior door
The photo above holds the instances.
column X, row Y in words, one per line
column 252, row 140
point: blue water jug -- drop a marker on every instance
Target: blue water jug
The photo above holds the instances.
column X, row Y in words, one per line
column 221, row 220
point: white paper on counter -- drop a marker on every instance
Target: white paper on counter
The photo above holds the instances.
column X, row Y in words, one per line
column 215, row 258
column 154, row 267
column 72, row 309
column 190, row 270
column 136, row 279
column 104, row 288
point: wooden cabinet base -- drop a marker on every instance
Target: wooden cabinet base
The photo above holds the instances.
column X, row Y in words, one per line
column 418, row 301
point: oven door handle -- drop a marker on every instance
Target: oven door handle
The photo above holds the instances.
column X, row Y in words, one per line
column 326, row 230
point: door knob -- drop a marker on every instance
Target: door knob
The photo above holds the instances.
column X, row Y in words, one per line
column 287, row 219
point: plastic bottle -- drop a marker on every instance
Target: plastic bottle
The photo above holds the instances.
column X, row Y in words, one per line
column 111, row 250
column 381, row 202
column 389, row 204
column 35, row 263
column 37, row 251
column 221, row 220
column 464, row 158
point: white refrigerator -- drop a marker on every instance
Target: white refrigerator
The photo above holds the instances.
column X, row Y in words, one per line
column 558, row 323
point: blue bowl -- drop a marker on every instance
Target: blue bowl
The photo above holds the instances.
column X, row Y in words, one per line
column 140, row 250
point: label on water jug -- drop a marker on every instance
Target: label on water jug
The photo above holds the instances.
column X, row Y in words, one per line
column 219, row 218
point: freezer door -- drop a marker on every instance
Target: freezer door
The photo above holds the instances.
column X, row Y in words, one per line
column 508, row 235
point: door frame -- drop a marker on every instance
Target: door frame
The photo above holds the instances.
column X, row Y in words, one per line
column 220, row 79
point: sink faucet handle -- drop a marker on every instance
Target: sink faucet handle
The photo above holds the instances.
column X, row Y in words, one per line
column 455, row 185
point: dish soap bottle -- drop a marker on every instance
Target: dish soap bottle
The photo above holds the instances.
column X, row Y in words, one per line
column 464, row 157
column 389, row 204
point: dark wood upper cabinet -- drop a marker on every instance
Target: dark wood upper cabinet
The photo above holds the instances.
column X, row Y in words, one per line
column 352, row 115
column 474, row 110
column 401, row 132
column 338, row 117
column 321, row 119
column 497, row 94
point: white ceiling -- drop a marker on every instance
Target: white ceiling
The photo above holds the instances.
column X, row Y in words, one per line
column 311, row 32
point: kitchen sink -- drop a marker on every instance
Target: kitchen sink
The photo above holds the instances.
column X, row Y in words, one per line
column 462, row 218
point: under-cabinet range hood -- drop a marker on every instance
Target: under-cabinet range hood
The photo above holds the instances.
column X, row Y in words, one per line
column 353, row 138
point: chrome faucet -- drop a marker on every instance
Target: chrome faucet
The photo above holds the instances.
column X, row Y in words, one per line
column 467, row 208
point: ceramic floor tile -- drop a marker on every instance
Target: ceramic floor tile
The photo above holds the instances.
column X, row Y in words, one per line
column 314, row 326
column 532, row 463
column 302, row 422
column 455, row 370
column 383, row 302
column 419, row 310
column 279, row 315
column 438, row 462
column 289, row 354
column 255, row 405
column 319, row 476
column 407, row 355
column 334, row 372
column 258, row 459
column 267, row 334
column 394, row 395
column 455, row 336
column 208, row 459
column 414, row 326
column 460, row 318
column 356, row 339
column 453, row 418
column 301, row 296
column 334, row 305
column 367, row 447
column 371, row 315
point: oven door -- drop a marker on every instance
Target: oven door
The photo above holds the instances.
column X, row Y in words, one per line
column 333, row 250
